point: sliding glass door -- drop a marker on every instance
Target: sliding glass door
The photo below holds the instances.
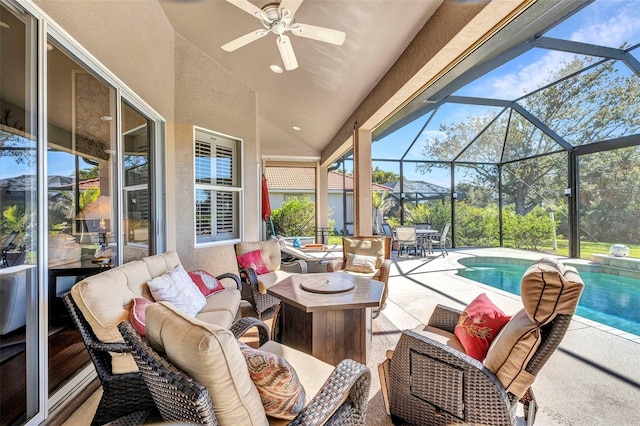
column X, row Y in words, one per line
column 81, row 191
column 19, row 316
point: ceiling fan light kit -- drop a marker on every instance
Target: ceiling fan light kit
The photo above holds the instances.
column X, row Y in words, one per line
column 278, row 18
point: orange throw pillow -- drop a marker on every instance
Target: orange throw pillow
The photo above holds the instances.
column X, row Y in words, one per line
column 478, row 325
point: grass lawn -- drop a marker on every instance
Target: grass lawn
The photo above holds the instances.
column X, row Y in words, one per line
column 587, row 248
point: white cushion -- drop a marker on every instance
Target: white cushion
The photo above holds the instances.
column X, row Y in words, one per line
column 177, row 287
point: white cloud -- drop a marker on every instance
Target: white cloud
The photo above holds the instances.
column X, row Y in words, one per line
column 610, row 31
column 614, row 31
column 529, row 77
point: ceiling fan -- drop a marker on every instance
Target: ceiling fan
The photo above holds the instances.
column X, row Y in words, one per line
column 278, row 18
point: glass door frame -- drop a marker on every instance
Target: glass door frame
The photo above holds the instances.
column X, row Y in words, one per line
column 39, row 404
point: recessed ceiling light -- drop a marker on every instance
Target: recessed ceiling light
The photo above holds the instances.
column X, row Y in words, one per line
column 49, row 46
column 106, row 118
column 4, row 25
column 298, row 128
column 276, row 68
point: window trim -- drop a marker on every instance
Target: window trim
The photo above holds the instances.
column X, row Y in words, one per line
column 238, row 188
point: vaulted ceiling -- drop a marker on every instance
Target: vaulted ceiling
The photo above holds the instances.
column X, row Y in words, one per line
column 330, row 82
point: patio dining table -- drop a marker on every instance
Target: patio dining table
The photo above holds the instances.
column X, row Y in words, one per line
column 425, row 236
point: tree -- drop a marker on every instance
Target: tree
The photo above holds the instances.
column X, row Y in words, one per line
column 380, row 176
column 597, row 104
column 91, row 173
column 382, row 203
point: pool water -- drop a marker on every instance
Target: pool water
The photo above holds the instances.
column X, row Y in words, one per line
column 608, row 299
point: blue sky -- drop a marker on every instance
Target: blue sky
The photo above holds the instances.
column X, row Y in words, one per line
column 609, row 23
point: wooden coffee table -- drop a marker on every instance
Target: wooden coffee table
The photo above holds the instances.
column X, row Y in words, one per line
column 330, row 326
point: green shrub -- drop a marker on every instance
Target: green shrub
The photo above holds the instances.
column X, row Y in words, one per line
column 527, row 231
column 476, row 226
column 295, row 217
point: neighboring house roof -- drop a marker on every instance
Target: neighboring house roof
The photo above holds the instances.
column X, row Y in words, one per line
column 304, row 179
column 417, row 186
column 28, row 182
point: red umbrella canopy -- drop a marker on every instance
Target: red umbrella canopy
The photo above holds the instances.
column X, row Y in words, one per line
column 266, row 205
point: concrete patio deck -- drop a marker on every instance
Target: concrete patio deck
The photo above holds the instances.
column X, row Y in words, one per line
column 592, row 379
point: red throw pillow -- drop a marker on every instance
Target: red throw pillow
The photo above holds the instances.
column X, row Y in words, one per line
column 253, row 260
column 207, row 283
column 137, row 314
column 478, row 325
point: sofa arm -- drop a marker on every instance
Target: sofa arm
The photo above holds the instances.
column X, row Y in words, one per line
column 444, row 318
column 240, row 327
column 232, row 276
column 335, row 265
column 249, row 275
column 298, row 266
column 342, row 399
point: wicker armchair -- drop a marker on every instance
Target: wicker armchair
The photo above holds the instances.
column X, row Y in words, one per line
column 122, row 394
column 367, row 246
column 432, row 383
column 341, row 401
column 253, row 285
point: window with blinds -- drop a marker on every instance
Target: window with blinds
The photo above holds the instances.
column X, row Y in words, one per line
column 217, row 184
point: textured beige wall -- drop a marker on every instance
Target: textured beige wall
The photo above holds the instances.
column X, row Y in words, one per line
column 134, row 40
column 209, row 96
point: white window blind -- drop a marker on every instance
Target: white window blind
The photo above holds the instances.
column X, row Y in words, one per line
column 217, row 201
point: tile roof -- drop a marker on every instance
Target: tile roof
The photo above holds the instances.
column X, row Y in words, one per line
column 304, row 178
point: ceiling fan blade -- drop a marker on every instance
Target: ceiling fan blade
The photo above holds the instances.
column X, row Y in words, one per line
column 319, row 33
column 291, row 5
column 286, row 51
column 244, row 40
column 249, row 8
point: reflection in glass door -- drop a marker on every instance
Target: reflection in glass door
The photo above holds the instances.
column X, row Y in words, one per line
column 18, row 219
column 80, row 187
column 136, row 215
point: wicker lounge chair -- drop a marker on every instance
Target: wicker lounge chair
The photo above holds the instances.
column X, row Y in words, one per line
column 433, row 383
column 341, row 401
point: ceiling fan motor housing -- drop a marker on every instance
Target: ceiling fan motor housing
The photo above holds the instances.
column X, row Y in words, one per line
column 274, row 21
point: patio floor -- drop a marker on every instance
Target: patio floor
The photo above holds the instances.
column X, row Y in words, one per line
column 592, row 379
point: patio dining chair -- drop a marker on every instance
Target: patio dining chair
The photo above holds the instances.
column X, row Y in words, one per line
column 441, row 241
column 407, row 239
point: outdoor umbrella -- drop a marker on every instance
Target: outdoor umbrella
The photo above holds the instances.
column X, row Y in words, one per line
column 266, row 205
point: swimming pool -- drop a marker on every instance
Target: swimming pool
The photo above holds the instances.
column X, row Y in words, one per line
column 608, row 299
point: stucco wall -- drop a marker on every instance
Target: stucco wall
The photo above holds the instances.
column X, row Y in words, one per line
column 208, row 96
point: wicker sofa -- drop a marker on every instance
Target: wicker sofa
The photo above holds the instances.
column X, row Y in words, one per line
column 99, row 303
column 197, row 373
